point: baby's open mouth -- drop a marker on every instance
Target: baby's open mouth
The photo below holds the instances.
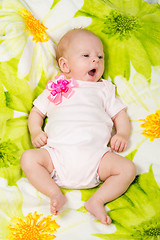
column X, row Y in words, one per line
column 92, row 72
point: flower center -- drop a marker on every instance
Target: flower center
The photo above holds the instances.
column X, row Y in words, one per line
column 36, row 29
column 120, row 25
column 30, row 232
column 32, row 227
column 8, row 154
column 151, row 126
column 149, row 229
column 152, row 231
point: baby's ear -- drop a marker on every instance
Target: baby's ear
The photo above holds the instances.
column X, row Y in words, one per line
column 63, row 64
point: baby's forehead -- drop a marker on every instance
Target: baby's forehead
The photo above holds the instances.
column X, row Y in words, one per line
column 76, row 37
column 84, row 34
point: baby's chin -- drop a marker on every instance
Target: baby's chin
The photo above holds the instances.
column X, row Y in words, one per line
column 93, row 79
column 90, row 78
column 87, row 77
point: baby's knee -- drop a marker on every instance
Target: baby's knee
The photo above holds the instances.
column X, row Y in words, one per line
column 131, row 170
column 25, row 160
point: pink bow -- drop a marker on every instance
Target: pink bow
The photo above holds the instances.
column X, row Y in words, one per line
column 63, row 87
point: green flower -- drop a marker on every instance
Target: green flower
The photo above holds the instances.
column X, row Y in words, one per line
column 5, row 112
column 130, row 32
column 9, row 161
column 8, row 152
column 17, row 131
column 136, row 213
column 17, row 92
column 16, row 99
column 15, row 140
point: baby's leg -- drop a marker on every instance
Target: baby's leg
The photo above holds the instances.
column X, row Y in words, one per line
column 117, row 173
column 37, row 166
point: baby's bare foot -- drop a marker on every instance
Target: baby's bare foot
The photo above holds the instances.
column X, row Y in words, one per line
column 97, row 209
column 57, row 201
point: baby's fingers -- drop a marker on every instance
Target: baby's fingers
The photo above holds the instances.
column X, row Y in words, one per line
column 43, row 139
column 114, row 144
column 122, row 147
column 40, row 141
column 37, row 143
column 117, row 145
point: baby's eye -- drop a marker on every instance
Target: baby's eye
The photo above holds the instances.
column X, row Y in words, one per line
column 86, row 55
column 100, row 57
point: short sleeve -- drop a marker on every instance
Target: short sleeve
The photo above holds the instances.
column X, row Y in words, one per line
column 113, row 103
column 42, row 102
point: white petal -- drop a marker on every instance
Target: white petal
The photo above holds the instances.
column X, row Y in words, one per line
column 11, row 30
column 10, row 48
column 74, row 200
column 26, row 59
column 128, row 92
column 139, row 81
column 135, row 141
column 39, row 8
column 51, row 47
column 78, row 22
column 4, row 216
column 74, row 222
column 147, row 154
column 155, row 76
column 36, row 66
column 19, row 114
column 3, row 183
column 155, row 86
column 8, row 192
column 48, row 58
column 140, row 92
column 12, row 4
column 156, row 171
column 62, row 12
column 32, row 199
column 136, row 111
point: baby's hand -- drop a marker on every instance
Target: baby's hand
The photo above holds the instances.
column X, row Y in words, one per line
column 119, row 143
column 40, row 139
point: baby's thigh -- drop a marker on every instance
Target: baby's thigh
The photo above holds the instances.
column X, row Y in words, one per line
column 32, row 157
column 113, row 164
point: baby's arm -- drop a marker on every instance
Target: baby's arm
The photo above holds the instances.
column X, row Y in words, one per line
column 35, row 122
column 119, row 141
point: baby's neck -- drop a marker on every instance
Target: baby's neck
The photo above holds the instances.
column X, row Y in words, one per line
column 67, row 75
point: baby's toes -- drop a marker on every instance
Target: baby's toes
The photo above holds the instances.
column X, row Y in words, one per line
column 54, row 209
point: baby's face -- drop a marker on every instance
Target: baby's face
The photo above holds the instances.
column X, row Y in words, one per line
column 85, row 58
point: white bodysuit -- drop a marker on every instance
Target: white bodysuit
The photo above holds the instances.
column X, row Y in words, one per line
column 79, row 129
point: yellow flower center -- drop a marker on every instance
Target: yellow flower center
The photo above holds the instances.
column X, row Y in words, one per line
column 151, row 126
column 32, row 228
column 36, row 29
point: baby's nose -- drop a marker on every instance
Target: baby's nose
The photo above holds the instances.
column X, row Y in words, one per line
column 95, row 59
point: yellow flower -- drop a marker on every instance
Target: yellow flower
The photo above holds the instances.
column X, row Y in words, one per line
column 151, row 126
column 36, row 29
column 32, row 227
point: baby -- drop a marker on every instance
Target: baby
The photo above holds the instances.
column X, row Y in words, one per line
column 73, row 150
